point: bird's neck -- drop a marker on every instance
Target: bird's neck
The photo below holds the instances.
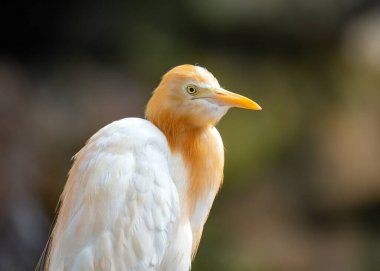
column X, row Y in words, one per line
column 203, row 160
column 202, row 153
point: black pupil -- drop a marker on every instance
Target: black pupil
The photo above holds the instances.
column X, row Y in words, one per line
column 191, row 89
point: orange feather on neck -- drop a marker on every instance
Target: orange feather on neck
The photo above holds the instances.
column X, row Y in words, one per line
column 192, row 137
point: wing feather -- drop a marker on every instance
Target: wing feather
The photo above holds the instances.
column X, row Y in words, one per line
column 120, row 206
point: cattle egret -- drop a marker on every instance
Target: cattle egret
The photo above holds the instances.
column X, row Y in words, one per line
column 139, row 192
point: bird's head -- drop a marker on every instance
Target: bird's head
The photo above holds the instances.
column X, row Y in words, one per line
column 191, row 96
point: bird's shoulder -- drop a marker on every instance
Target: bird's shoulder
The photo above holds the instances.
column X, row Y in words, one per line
column 129, row 133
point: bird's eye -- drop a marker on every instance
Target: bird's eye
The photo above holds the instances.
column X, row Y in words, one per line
column 191, row 89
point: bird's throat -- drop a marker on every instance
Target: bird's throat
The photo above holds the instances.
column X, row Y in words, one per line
column 203, row 159
column 194, row 139
column 201, row 152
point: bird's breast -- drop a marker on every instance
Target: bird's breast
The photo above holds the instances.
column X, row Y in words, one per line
column 197, row 170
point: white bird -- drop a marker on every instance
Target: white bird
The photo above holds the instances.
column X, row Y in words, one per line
column 139, row 192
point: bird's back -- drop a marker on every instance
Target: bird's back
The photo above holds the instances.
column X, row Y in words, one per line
column 120, row 207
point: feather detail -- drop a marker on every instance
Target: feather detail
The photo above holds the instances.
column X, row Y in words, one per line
column 120, row 207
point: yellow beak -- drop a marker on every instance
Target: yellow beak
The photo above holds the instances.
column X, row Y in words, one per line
column 228, row 98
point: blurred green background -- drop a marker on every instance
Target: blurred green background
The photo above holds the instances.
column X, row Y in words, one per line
column 302, row 177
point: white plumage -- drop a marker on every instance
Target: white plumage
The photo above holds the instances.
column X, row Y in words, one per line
column 127, row 217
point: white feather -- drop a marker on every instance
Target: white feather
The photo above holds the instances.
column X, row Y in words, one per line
column 121, row 205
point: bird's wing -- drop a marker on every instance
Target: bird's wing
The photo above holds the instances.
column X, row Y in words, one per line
column 120, row 205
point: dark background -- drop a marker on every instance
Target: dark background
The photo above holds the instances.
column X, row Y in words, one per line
column 302, row 177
